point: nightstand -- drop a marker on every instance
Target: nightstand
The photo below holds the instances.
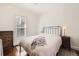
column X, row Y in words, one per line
column 66, row 42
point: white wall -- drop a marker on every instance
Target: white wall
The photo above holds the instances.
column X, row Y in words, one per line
column 63, row 14
column 71, row 18
column 60, row 14
column 8, row 15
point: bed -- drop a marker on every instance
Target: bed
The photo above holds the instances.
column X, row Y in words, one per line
column 45, row 44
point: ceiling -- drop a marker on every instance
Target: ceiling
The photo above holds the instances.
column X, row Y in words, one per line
column 39, row 7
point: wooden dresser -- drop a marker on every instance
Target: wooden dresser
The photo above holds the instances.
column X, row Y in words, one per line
column 7, row 39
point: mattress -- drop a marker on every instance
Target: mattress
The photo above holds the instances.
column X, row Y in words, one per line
column 50, row 49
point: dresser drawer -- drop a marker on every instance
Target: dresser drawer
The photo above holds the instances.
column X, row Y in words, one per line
column 8, row 44
column 7, row 38
column 6, row 41
column 6, row 32
column 7, row 35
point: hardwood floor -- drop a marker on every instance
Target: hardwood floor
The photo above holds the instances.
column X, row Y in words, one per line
column 67, row 52
column 77, row 53
column 11, row 52
column 15, row 52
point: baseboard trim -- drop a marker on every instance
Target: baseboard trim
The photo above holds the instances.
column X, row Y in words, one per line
column 75, row 48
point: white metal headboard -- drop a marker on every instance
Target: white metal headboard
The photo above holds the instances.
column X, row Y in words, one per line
column 52, row 30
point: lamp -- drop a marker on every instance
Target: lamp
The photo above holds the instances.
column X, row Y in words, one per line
column 64, row 29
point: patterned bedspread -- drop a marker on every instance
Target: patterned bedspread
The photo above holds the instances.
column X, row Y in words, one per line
column 39, row 41
column 42, row 45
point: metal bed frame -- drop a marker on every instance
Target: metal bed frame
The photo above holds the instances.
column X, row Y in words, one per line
column 52, row 30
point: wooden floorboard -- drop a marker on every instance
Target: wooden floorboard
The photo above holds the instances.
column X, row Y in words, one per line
column 77, row 53
column 10, row 52
column 13, row 52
